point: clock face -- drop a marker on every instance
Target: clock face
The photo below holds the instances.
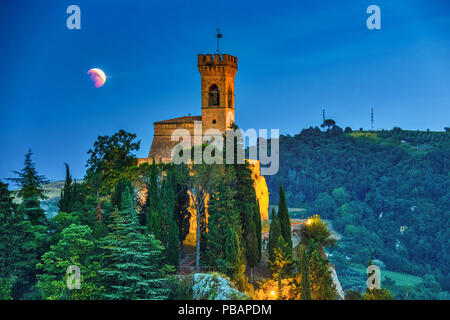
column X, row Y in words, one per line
column 230, row 118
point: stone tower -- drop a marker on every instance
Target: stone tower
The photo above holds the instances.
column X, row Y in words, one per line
column 217, row 85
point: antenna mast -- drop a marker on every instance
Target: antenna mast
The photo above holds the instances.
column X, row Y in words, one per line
column 218, row 36
column 371, row 119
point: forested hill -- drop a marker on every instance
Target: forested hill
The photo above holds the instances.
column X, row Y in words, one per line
column 387, row 192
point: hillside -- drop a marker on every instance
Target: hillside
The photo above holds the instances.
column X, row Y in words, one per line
column 386, row 192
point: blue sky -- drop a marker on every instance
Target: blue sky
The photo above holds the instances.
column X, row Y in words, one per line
column 295, row 58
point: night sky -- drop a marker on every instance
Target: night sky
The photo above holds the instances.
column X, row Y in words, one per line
column 295, row 58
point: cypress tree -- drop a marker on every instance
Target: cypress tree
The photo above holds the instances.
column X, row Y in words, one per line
column 274, row 235
column 285, row 221
column 305, row 293
column 170, row 230
column 152, row 205
column 137, row 258
column 258, row 232
column 224, row 238
column 246, row 204
column 180, row 173
column 67, row 198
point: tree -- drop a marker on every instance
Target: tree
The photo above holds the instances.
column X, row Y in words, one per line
column 305, row 293
column 199, row 185
column 170, row 228
column 182, row 215
column 324, row 204
column 152, row 205
column 116, row 196
column 76, row 247
column 317, row 230
column 258, row 231
column 17, row 247
column 136, row 271
column 285, row 220
column 328, row 124
column 109, row 158
column 224, row 238
column 274, row 235
column 247, row 205
column 340, row 196
column 322, row 285
column 31, row 191
column 280, row 264
column 67, row 198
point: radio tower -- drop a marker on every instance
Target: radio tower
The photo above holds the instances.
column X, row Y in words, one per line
column 371, row 119
column 323, row 115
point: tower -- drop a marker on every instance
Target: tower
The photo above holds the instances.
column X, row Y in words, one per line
column 217, row 90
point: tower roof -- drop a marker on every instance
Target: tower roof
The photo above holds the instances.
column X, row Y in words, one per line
column 185, row 119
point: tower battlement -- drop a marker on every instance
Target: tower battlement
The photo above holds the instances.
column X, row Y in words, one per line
column 209, row 60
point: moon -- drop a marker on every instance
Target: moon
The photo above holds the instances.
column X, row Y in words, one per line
column 97, row 76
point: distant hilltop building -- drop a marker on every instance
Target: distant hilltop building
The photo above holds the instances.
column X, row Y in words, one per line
column 218, row 109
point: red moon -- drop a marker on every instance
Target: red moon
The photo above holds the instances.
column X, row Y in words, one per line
column 97, row 76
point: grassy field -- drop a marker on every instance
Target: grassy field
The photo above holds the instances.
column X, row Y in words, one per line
column 401, row 279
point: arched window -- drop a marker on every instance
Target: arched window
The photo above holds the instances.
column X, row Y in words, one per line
column 230, row 98
column 214, row 95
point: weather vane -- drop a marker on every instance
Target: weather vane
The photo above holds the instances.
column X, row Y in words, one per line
column 218, row 36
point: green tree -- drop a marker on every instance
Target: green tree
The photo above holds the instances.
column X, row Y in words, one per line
column 305, row 293
column 224, row 239
column 67, row 198
column 5, row 289
column 281, row 264
column 31, row 191
column 324, row 205
column 152, row 205
column 170, row 228
column 77, row 248
column 109, row 158
column 182, row 215
column 328, row 124
column 341, row 196
column 18, row 247
column 246, row 203
column 285, row 220
column 136, row 271
column 317, row 230
column 274, row 235
column 322, row 285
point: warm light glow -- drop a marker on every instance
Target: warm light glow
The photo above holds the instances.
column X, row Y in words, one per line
column 315, row 218
column 272, row 293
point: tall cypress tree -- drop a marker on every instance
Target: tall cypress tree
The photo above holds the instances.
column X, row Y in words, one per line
column 31, row 191
column 246, row 204
column 182, row 215
column 137, row 258
column 305, row 293
column 274, row 235
column 258, row 226
column 67, row 198
column 224, row 239
column 285, row 221
column 152, row 207
column 170, row 228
